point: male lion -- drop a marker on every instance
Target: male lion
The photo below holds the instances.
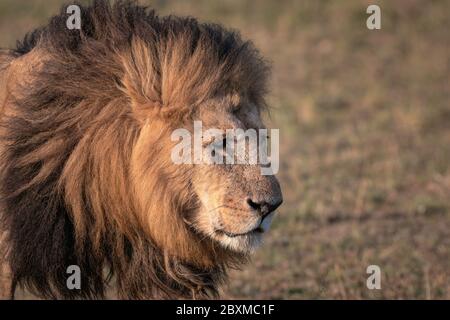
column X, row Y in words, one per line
column 86, row 175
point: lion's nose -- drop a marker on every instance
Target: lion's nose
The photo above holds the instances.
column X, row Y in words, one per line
column 264, row 207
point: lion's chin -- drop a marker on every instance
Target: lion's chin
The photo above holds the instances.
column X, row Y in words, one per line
column 246, row 243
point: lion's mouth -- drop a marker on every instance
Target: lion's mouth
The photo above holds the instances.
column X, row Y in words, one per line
column 263, row 227
column 234, row 235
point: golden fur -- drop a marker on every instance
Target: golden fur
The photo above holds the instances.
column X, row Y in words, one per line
column 86, row 176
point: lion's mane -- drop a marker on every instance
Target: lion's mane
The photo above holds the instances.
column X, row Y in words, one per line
column 66, row 195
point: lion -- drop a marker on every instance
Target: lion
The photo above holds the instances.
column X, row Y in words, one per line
column 86, row 177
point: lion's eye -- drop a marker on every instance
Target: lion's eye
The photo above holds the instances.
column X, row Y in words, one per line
column 218, row 142
column 224, row 142
column 236, row 109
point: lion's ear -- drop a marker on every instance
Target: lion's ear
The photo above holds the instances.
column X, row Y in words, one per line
column 140, row 80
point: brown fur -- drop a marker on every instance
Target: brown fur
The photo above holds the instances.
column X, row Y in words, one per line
column 83, row 118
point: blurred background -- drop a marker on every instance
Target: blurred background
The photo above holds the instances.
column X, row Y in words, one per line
column 364, row 119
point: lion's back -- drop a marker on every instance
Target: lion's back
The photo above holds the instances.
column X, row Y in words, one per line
column 5, row 61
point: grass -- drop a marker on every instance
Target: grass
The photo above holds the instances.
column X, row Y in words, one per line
column 364, row 118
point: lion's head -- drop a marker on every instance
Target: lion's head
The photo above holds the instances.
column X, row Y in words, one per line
column 232, row 205
column 88, row 177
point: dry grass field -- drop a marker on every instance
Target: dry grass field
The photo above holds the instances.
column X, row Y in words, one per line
column 364, row 119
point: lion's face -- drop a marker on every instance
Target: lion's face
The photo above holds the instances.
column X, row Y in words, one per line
column 231, row 204
column 236, row 202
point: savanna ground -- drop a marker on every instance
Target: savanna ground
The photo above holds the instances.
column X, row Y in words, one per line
column 364, row 119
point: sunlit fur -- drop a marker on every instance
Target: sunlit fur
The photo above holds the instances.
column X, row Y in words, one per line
column 86, row 176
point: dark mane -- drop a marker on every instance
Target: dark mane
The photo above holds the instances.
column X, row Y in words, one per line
column 74, row 120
